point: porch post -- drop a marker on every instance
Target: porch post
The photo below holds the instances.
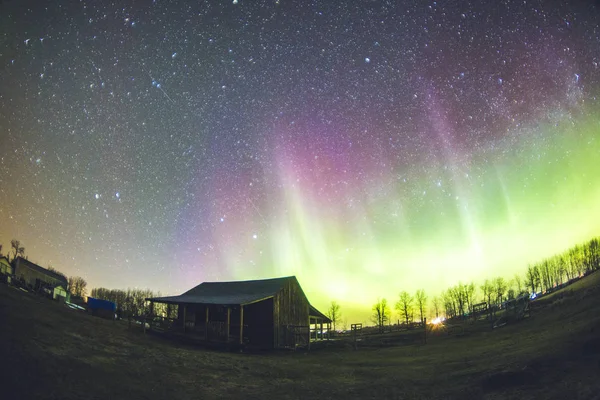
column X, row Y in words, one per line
column 184, row 316
column 206, row 325
column 241, row 325
column 151, row 315
column 228, row 323
column 321, row 321
column 308, row 344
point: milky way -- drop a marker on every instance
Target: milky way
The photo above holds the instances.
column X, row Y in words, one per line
column 365, row 147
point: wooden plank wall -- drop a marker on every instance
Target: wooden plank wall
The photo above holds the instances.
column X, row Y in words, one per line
column 289, row 308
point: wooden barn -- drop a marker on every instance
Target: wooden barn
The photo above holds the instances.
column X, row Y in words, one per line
column 268, row 313
column 35, row 276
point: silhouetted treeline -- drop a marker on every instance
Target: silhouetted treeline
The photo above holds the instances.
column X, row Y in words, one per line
column 131, row 301
column 458, row 300
column 576, row 261
column 539, row 277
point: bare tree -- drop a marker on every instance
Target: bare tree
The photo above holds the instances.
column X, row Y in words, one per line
column 561, row 268
column 77, row 286
column 404, row 305
column 518, row 283
column 449, row 303
column 381, row 314
column 421, row 299
column 488, row 290
column 500, row 287
column 510, row 294
column 458, row 298
column 533, row 278
column 436, row 306
column 17, row 249
column 594, row 253
column 334, row 313
column 575, row 261
column 470, row 295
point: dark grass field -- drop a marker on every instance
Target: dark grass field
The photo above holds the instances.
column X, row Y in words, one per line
column 48, row 351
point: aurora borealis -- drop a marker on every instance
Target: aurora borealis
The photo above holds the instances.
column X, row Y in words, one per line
column 365, row 147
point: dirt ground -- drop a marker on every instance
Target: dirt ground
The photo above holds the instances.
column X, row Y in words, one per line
column 48, row 351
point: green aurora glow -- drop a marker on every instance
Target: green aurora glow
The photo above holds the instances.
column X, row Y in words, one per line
column 531, row 197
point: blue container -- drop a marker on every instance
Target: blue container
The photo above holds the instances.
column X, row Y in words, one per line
column 98, row 304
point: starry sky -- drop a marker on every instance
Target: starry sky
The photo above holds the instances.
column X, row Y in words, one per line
column 366, row 147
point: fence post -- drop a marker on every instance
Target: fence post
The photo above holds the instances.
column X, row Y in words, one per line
column 425, row 332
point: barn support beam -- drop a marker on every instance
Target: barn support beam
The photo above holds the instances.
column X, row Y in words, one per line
column 206, row 324
column 241, row 325
column 228, row 324
column 309, row 322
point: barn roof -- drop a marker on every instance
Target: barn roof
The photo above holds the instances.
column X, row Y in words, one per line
column 228, row 293
column 314, row 313
column 25, row 262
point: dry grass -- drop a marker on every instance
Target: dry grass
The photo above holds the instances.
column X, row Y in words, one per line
column 49, row 351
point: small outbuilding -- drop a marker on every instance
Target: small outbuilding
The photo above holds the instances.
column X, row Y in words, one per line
column 266, row 313
column 35, row 276
column 6, row 270
column 60, row 294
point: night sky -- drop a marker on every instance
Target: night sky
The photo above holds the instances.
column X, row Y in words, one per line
column 365, row 147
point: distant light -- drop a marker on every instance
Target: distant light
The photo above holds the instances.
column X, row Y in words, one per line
column 255, row 236
column 367, row 60
column 235, row 1
column 97, row 196
column 117, row 195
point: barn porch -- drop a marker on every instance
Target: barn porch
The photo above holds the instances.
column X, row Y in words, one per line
column 272, row 313
column 240, row 324
column 318, row 321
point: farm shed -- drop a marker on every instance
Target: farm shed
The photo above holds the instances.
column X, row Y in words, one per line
column 6, row 270
column 59, row 293
column 35, row 276
column 267, row 313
